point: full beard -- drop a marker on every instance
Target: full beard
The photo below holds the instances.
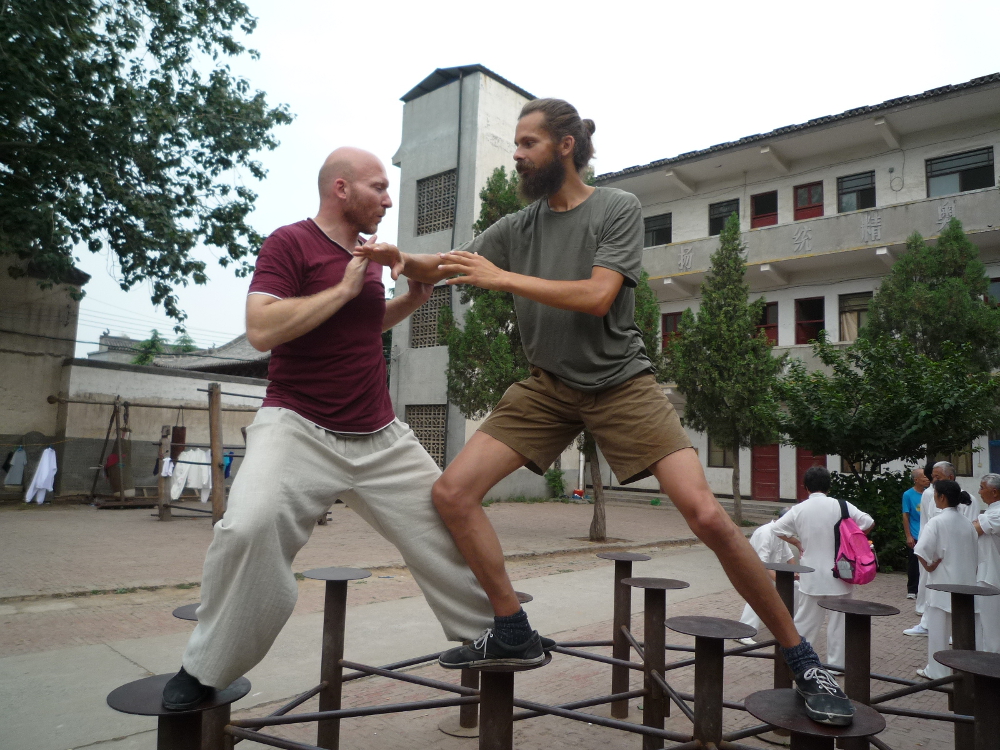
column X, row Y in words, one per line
column 541, row 182
column 365, row 220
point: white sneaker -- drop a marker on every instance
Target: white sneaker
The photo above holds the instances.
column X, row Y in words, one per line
column 916, row 630
column 911, row 596
column 922, row 674
column 746, row 641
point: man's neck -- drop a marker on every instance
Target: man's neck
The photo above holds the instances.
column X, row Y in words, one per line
column 573, row 192
column 337, row 230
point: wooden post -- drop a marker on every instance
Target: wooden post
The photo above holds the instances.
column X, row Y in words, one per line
column 215, row 439
column 121, row 449
column 162, row 482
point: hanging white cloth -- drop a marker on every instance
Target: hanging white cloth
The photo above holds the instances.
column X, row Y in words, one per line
column 45, row 474
column 192, row 471
column 168, row 467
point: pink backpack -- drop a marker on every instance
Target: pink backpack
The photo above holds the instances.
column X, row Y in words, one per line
column 854, row 559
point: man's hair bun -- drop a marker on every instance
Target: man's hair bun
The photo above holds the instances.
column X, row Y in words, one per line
column 590, row 126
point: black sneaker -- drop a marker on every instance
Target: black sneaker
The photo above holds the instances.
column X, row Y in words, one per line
column 547, row 643
column 489, row 651
column 825, row 702
column 183, row 692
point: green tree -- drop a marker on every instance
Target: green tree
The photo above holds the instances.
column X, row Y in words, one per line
column 184, row 343
column 485, row 355
column 149, row 349
column 722, row 364
column 881, row 401
column 647, row 317
column 935, row 297
column 113, row 139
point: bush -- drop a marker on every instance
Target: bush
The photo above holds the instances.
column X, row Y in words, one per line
column 880, row 496
column 554, row 479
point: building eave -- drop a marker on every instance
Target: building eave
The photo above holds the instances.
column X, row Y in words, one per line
column 444, row 76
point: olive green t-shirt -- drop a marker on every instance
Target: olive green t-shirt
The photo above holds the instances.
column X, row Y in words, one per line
column 585, row 352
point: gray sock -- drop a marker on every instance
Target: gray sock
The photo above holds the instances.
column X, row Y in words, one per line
column 800, row 658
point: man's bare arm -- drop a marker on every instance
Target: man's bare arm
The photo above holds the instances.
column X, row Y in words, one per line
column 272, row 321
column 593, row 296
column 399, row 308
column 422, row 268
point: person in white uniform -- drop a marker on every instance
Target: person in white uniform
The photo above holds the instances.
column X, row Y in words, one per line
column 940, row 470
column 809, row 526
column 947, row 551
column 770, row 549
column 987, row 526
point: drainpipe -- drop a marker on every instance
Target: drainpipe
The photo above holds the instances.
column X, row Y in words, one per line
column 454, row 226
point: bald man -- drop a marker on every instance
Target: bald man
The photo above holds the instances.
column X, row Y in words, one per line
column 326, row 430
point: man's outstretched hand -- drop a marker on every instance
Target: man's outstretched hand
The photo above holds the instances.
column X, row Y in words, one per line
column 383, row 253
column 472, row 269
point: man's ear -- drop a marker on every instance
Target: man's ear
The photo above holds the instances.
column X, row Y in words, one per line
column 339, row 188
column 566, row 145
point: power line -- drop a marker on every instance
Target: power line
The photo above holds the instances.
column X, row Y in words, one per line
column 132, row 349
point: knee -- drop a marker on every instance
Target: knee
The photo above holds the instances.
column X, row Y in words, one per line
column 712, row 524
column 448, row 499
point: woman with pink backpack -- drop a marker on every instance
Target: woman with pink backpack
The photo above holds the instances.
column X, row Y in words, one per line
column 947, row 550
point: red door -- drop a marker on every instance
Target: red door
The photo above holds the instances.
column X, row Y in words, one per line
column 803, row 460
column 764, row 472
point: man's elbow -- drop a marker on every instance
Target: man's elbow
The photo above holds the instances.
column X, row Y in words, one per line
column 602, row 305
column 258, row 340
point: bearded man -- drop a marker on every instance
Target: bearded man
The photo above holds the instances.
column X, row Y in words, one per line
column 326, row 430
column 572, row 260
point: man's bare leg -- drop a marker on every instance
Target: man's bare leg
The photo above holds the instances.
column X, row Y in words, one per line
column 682, row 478
column 458, row 496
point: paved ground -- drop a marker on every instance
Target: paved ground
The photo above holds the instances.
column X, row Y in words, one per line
column 59, row 655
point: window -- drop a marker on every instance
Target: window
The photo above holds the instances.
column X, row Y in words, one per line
column 957, row 173
column 658, row 230
column 424, row 322
column 961, row 460
column 993, row 294
column 719, row 212
column 669, row 324
column 808, row 200
column 764, row 209
column 808, row 319
column 719, row 457
column 436, row 202
column 769, row 322
column 429, row 424
column 856, row 192
column 853, row 314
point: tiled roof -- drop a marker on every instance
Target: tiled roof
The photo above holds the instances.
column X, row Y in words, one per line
column 236, row 351
column 444, row 76
column 851, row 113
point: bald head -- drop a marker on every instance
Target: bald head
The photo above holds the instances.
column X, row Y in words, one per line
column 348, row 164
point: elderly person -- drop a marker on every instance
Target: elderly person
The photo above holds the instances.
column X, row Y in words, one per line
column 911, row 527
column 987, row 526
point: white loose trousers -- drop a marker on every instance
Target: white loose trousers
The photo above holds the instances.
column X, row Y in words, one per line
column 292, row 473
column 938, row 633
column 809, row 621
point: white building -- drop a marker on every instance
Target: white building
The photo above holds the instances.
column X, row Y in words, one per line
column 825, row 207
column 458, row 126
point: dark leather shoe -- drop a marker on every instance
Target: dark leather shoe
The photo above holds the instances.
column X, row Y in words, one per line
column 183, row 692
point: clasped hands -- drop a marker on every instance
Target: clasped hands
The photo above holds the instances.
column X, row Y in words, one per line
column 464, row 267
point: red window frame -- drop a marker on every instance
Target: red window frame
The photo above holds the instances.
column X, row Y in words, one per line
column 669, row 323
column 770, row 329
column 769, row 219
column 812, row 205
column 807, row 329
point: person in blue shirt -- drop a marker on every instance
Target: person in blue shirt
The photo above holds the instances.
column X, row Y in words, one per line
column 911, row 527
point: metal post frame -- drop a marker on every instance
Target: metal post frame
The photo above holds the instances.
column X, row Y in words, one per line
column 331, row 671
column 857, row 658
column 468, row 715
column 987, row 727
column 621, row 650
column 785, row 583
column 655, row 705
column 178, row 732
column 708, row 670
column 496, row 711
column 963, row 636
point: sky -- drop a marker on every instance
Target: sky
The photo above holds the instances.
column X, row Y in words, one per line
column 658, row 78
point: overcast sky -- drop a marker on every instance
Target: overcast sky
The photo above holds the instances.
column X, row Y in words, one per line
column 658, row 78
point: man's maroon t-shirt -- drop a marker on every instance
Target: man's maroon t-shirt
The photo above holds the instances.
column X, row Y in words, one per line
column 335, row 375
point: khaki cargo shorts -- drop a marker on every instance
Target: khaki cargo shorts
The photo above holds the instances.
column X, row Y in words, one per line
column 634, row 423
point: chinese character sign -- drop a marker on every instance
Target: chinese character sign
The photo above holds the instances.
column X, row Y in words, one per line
column 871, row 227
column 684, row 258
column 946, row 212
column 803, row 239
